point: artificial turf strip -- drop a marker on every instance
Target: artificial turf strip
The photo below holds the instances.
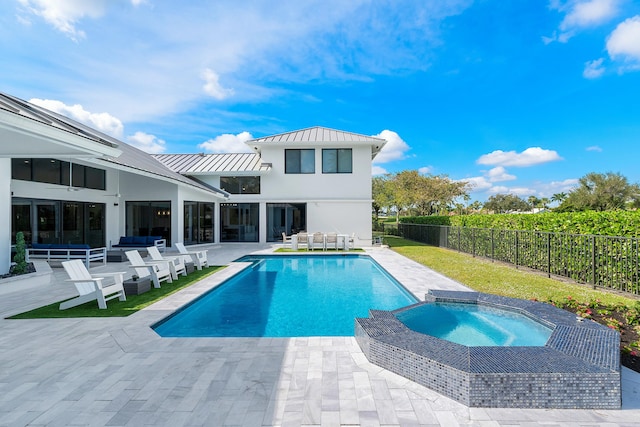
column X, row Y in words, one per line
column 482, row 275
column 115, row 307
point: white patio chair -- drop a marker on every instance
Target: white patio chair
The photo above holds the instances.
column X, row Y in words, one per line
column 332, row 240
column 91, row 287
column 286, row 240
column 303, row 239
column 317, row 238
column 159, row 271
column 199, row 257
column 351, row 243
column 176, row 263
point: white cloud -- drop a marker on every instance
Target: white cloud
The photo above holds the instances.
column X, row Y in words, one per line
column 147, row 142
column 394, row 149
column 478, row 184
column 519, row 191
column 485, row 182
column 594, row 148
column 581, row 14
column 593, row 69
column 212, row 86
column 548, row 189
column 228, row 143
column 248, row 45
column 104, row 122
column 499, row 174
column 589, row 13
column 624, row 43
column 377, row 170
column 425, row 170
column 529, row 157
column 64, row 14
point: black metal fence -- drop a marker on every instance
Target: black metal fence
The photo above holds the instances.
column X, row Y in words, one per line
column 604, row 261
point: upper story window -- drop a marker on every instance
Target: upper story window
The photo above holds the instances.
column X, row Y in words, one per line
column 300, row 161
column 52, row 171
column 240, row 184
column 337, row 160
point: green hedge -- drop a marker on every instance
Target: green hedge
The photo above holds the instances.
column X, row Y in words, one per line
column 608, row 223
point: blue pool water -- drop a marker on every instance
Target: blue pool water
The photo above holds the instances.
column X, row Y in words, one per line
column 290, row 296
column 475, row 325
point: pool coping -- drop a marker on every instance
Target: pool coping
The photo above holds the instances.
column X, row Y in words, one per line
column 579, row 367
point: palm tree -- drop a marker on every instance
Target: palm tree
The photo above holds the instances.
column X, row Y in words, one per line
column 559, row 197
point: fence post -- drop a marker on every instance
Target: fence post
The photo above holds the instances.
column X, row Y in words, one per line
column 459, row 238
column 548, row 254
column 473, row 242
column 492, row 245
column 517, row 248
column 593, row 261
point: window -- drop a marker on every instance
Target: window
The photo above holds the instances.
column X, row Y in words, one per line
column 300, row 161
column 94, row 178
column 47, row 170
column 57, row 172
column 21, row 169
column 240, row 184
column 337, row 160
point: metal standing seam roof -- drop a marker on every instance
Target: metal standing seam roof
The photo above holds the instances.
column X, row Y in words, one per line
column 130, row 157
column 318, row 134
column 58, row 121
column 135, row 158
column 207, row 163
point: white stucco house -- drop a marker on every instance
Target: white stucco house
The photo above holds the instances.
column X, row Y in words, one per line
column 66, row 183
column 314, row 179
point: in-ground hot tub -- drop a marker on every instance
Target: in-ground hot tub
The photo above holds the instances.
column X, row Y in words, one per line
column 577, row 367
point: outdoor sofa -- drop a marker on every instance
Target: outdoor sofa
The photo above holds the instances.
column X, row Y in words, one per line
column 66, row 251
column 141, row 242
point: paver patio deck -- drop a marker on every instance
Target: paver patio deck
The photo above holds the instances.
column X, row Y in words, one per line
column 117, row 371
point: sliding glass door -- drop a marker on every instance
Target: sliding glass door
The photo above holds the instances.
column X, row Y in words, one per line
column 58, row 221
column 288, row 218
column 239, row 222
column 150, row 218
column 198, row 222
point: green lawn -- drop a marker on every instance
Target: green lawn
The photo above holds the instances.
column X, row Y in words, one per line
column 499, row 279
column 116, row 308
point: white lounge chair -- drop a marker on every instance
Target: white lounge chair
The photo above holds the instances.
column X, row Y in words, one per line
column 332, row 240
column 91, row 287
column 303, row 239
column 159, row 271
column 317, row 238
column 199, row 257
column 286, row 240
column 176, row 263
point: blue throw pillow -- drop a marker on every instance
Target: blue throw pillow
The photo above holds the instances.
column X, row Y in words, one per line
column 126, row 240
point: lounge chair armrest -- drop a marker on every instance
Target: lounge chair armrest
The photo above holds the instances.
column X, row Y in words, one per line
column 114, row 274
column 92, row 279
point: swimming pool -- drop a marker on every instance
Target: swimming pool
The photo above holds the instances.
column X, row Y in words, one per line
column 290, row 296
column 475, row 325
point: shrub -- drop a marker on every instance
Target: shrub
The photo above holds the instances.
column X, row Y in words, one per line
column 19, row 258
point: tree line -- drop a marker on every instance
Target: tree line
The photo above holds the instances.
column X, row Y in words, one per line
column 411, row 193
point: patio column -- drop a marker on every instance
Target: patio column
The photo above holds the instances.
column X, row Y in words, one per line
column 5, row 215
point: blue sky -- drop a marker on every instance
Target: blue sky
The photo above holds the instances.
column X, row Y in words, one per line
column 516, row 97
